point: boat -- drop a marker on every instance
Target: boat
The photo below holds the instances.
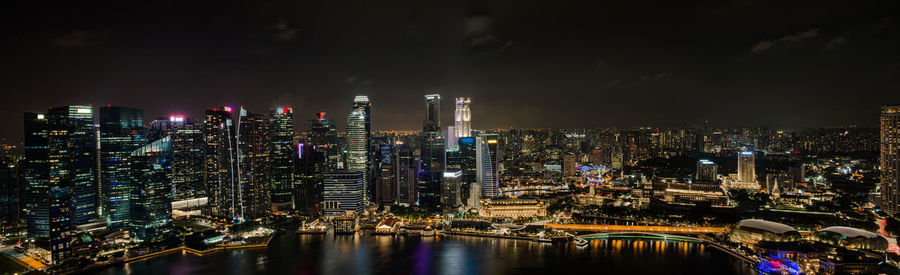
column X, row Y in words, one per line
column 428, row 232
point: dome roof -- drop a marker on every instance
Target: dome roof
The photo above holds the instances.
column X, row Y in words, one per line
column 773, row 227
column 850, row 232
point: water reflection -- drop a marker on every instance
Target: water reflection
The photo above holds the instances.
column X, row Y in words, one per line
column 354, row 254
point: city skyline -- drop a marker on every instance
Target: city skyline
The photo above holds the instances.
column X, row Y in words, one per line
column 394, row 137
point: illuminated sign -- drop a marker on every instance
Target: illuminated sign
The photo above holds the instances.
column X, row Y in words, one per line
column 83, row 111
column 40, row 116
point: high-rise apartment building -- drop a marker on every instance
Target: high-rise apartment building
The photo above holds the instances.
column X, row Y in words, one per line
column 254, row 139
column 890, row 159
column 707, row 171
column 220, row 162
column 746, row 167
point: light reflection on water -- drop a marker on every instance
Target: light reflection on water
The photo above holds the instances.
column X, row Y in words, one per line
column 318, row 254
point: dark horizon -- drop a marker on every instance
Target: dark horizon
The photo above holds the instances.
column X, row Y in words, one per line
column 582, row 64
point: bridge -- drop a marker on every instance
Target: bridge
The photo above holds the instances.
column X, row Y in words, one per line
column 680, row 230
column 640, row 235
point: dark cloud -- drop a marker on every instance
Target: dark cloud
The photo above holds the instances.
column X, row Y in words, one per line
column 81, row 39
column 523, row 63
column 284, row 32
column 834, row 44
column 764, row 45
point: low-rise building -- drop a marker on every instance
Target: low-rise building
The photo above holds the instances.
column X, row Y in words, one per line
column 513, row 208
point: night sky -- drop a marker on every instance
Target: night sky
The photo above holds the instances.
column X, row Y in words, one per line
column 524, row 63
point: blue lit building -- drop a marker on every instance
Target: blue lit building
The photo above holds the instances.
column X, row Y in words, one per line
column 343, row 192
column 121, row 132
column 36, row 176
column 151, row 203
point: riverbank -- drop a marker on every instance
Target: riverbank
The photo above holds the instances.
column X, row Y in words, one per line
column 475, row 234
column 182, row 249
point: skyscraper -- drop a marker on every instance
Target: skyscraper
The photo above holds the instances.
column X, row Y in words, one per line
column 254, row 138
column 432, row 152
column 281, row 173
column 463, row 117
column 358, row 138
column 60, row 151
column 890, row 159
column 706, row 171
column 187, row 157
column 746, row 167
column 450, row 185
column 72, row 160
column 151, row 199
column 432, row 122
column 220, row 149
column 488, row 178
column 343, row 192
column 322, row 137
column 36, row 176
column 10, row 190
column 467, row 159
column 386, row 192
column 407, row 167
column 121, row 132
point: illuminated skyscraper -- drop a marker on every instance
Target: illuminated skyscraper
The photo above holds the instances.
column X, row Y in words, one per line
column 72, row 158
column 36, row 176
column 10, row 207
column 706, row 171
column 450, row 188
column 281, row 173
column 220, row 149
column 61, row 189
column 358, row 137
column 746, row 167
column 121, row 132
column 486, row 148
column 254, row 138
column 151, row 199
column 890, row 159
column 463, row 117
column 432, row 152
column 386, row 183
column 322, row 137
column 467, row 159
column 407, row 167
column 187, row 154
column 432, row 122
